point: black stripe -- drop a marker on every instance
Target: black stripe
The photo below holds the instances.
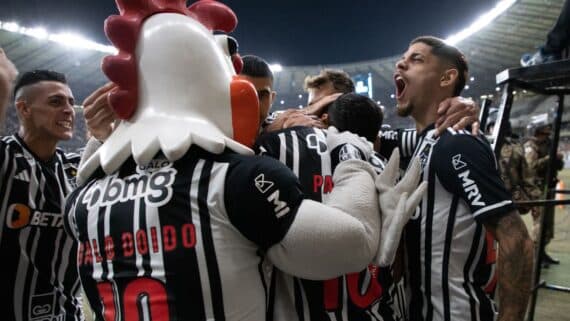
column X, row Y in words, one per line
column 446, row 253
column 209, row 249
column 428, row 240
column 101, row 242
column 143, row 227
column 289, row 150
column 271, row 296
column 181, row 261
column 468, row 264
column 297, row 289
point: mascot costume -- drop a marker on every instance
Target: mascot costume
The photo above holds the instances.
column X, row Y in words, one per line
column 174, row 214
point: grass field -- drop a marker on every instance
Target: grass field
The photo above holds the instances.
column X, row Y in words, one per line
column 554, row 305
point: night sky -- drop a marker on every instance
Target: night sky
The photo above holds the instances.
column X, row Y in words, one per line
column 290, row 32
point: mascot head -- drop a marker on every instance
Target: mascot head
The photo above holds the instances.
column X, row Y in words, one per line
column 177, row 84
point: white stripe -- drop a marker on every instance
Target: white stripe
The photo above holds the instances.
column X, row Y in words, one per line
column 200, row 252
column 66, row 254
column 441, row 217
column 56, row 255
column 156, row 258
column 136, row 227
column 491, row 207
column 107, row 231
column 92, row 226
column 282, row 148
column 295, row 153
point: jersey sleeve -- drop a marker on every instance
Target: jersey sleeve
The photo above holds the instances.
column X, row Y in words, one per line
column 403, row 139
column 466, row 166
column 268, row 144
column 262, row 197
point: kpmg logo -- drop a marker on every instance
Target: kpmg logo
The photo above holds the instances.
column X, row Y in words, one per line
column 154, row 184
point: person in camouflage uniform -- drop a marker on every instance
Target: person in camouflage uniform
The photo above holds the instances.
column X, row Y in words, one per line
column 514, row 169
column 536, row 150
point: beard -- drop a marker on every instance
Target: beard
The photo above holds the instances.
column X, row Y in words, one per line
column 404, row 110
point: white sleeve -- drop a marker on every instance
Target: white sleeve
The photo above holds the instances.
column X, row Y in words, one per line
column 326, row 241
column 90, row 148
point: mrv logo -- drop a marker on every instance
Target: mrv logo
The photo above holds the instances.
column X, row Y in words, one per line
column 155, row 187
column 471, row 189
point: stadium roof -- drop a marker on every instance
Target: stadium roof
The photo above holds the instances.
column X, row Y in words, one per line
column 521, row 28
column 499, row 45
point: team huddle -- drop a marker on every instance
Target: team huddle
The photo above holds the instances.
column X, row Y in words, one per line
column 192, row 202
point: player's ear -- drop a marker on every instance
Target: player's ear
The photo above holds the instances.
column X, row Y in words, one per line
column 449, row 77
column 325, row 119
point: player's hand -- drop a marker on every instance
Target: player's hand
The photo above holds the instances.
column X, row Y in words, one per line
column 398, row 203
column 292, row 118
column 8, row 73
column 319, row 107
column 346, row 145
column 458, row 113
column 99, row 116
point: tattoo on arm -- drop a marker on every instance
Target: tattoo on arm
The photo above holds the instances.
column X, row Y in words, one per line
column 514, row 264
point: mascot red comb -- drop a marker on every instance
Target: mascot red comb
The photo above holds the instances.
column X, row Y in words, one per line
column 173, row 214
column 177, row 84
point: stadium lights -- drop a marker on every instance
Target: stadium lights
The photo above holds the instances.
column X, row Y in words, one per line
column 481, row 22
column 276, row 67
column 66, row 39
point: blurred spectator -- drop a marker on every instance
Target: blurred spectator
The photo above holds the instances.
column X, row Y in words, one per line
column 7, row 76
column 536, row 150
column 513, row 166
column 556, row 41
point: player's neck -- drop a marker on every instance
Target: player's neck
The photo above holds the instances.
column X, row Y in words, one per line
column 425, row 116
column 43, row 148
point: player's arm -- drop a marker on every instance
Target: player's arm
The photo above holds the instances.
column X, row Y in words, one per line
column 302, row 237
column 326, row 241
column 514, row 264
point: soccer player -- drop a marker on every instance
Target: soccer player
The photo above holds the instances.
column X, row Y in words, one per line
column 41, row 280
column 371, row 294
column 450, row 240
column 176, row 214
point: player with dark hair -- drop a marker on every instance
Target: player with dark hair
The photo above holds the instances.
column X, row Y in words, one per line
column 450, row 240
column 356, row 113
column 256, row 71
column 35, row 177
column 306, row 152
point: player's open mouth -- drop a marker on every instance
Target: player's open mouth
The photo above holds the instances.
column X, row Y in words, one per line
column 400, row 85
column 65, row 124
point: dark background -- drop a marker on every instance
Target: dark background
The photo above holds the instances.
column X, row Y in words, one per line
column 289, row 32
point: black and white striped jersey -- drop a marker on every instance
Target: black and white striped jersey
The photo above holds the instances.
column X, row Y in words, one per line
column 403, row 139
column 368, row 295
column 182, row 240
column 40, row 277
column 451, row 257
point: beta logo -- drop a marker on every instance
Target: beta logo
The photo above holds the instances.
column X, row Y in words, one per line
column 19, row 216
